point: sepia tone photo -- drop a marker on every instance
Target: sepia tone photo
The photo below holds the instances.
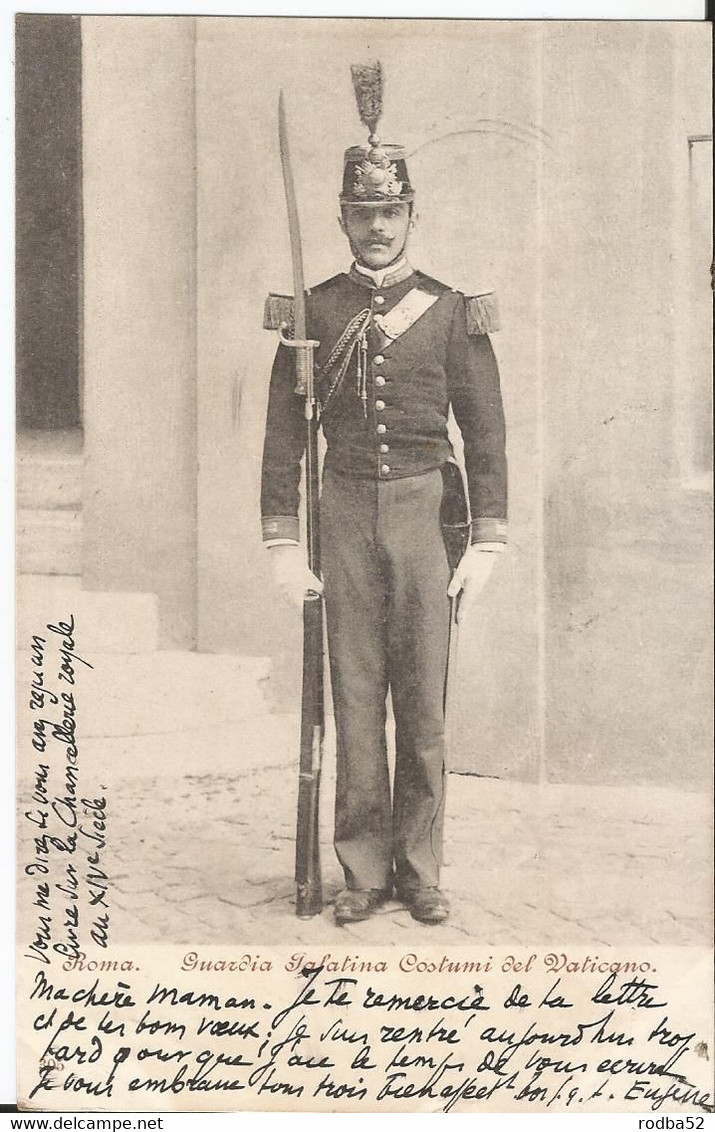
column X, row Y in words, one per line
column 364, row 497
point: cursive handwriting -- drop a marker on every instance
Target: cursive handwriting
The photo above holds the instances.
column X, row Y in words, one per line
column 574, row 1042
column 69, row 880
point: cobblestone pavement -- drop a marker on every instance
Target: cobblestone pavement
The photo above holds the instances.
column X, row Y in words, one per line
column 201, row 851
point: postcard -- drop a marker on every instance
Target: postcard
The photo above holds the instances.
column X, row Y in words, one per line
column 364, row 491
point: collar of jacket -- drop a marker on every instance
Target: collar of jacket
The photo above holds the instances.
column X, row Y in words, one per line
column 399, row 275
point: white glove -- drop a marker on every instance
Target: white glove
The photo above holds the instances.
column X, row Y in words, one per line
column 291, row 574
column 470, row 578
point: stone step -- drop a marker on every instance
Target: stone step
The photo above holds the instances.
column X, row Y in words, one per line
column 49, row 468
column 46, row 484
column 165, row 694
column 106, row 622
column 250, row 747
column 49, row 541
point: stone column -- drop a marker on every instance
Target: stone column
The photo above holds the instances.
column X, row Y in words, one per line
column 140, row 313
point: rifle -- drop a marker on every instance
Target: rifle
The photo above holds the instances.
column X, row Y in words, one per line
column 456, row 526
column 309, row 889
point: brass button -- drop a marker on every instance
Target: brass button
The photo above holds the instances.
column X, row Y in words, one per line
column 379, row 405
column 381, row 428
column 379, row 299
column 385, row 469
column 384, row 447
column 378, row 359
column 379, row 380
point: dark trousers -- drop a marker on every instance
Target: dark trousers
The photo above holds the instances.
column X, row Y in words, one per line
column 386, row 574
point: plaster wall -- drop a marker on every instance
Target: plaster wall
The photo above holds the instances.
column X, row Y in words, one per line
column 139, row 507
column 551, row 164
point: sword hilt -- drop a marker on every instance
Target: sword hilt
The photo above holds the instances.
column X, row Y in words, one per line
column 304, row 348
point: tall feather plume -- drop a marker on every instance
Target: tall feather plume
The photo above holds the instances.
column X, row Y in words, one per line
column 367, row 80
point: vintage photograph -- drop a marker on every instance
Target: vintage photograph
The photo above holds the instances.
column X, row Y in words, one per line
column 364, row 488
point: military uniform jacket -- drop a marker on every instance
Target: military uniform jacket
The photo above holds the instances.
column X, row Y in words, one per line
column 417, row 347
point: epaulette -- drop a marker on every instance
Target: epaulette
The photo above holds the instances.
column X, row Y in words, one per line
column 278, row 312
column 279, row 309
column 482, row 313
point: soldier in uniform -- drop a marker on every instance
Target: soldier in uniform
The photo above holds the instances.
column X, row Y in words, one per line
column 397, row 349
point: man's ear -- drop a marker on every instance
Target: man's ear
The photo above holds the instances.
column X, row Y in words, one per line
column 341, row 222
column 413, row 221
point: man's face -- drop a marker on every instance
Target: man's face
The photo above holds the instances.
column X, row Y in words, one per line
column 377, row 232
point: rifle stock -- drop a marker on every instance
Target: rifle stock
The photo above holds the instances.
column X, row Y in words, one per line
column 309, row 889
